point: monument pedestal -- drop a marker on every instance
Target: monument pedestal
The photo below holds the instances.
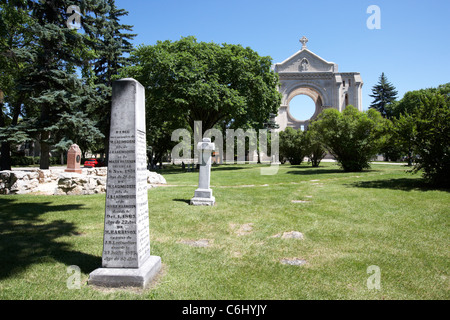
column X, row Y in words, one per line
column 203, row 197
column 74, row 159
column 126, row 277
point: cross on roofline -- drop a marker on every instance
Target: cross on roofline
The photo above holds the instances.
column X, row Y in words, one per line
column 304, row 41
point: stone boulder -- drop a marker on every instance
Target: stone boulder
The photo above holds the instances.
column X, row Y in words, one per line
column 49, row 175
column 59, row 182
column 154, row 178
column 18, row 182
column 98, row 171
column 80, row 184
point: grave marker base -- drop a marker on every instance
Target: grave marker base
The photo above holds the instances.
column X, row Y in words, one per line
column 203, row 197
column 126, row 277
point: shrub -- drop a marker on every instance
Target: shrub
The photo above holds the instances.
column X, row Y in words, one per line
column 394, row 147
column 293, row 146
column 351, row 136
column 30, row 161
column 22, row 161
column 431, row 141
column 315, row 149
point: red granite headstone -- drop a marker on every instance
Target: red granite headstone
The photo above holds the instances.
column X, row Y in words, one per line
column 74, row 159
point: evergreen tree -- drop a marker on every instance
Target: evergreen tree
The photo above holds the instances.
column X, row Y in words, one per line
column 41, row 59
column 51, row 80
column 383, row 93
column 111, row 44
column 14, row 35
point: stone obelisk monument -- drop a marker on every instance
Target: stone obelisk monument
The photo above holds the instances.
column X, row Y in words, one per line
column 126, row 259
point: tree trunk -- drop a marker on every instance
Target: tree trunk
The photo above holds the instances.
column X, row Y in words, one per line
column 45, row 151
column 6, row 146
column 5, row 163
column 44, row 163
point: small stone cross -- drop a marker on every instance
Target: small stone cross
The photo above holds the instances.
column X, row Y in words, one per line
column 203, row 195
column 304, row 41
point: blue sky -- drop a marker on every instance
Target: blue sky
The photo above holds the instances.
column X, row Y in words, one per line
column 411, row 48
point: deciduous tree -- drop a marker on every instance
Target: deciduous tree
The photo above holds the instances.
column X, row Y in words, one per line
column 188, row 81
column 352, row 137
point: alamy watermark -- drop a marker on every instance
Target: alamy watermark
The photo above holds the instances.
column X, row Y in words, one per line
column 73, row 282
column 74, row 21
column 374, row 281
column 374, row 21
column 234, row 140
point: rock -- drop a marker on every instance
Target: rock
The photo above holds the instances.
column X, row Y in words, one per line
column 33, row 183
column 242, row 230
column 41, row 175
column 4, row 175
column 202, row 243
column 290, row 235
column 100, row 189
column 18, row 182
column 293, row 235
column 76, row 191
column 4, row 182
column 33, row 175
column 19, row 175
column 54, row 173
column 299, row 201
column 59, row 182
column 80, row 184
column 293, row 261
column 101, row 172
column 98, row 171
column 155, row 178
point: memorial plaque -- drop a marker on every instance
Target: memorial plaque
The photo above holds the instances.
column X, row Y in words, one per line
column 126, row 242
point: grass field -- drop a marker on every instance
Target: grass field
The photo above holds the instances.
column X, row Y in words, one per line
column 382, row 217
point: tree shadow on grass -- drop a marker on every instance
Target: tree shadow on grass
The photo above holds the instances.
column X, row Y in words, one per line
column 403, row 184
column 323, row 170
column 179, row 170
column 314, row 171
column 26, row 238
column 226, row 168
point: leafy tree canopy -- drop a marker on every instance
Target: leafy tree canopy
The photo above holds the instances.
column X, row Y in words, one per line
column 351, row 136
column 424, row 126
column 293, row 146
column 189, row 81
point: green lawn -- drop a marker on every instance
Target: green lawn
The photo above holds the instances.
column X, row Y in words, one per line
column 382, row 217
